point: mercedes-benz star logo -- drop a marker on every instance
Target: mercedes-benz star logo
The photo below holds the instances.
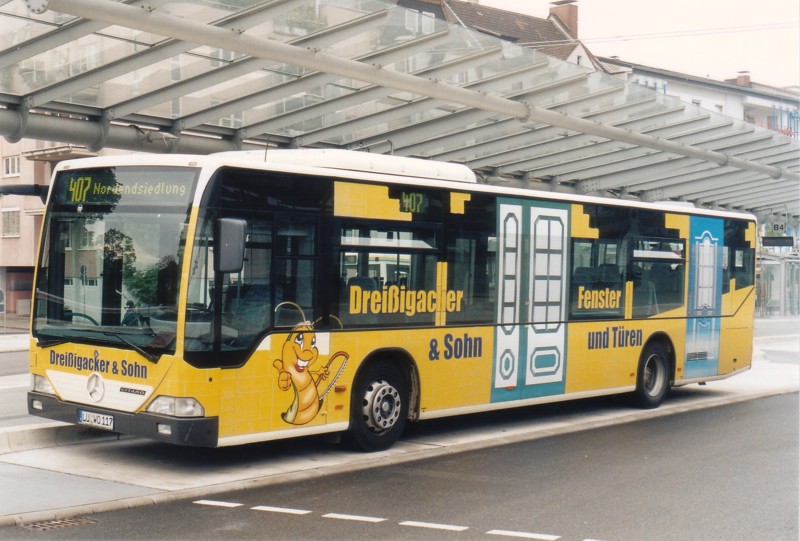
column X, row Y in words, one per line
column 96, row 387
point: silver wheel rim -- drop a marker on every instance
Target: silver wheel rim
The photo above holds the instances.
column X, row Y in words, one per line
column 653, row 375
column 381, row 406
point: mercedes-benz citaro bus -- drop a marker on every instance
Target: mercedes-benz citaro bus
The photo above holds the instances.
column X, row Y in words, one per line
column 250, row 296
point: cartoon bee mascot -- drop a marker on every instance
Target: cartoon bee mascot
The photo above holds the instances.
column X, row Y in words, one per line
column 298, row 355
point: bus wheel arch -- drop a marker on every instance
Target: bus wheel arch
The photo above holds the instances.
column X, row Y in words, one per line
column 655, row 372
column 383, row 399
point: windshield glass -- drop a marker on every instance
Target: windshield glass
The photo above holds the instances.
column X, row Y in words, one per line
column 109, row 270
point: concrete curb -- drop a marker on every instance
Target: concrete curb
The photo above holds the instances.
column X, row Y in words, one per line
column 49, row 434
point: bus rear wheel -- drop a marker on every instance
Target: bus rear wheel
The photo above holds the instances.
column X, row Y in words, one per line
column 380, row 406
column 653, row 378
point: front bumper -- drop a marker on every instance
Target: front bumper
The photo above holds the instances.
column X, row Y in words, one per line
column 193, row 431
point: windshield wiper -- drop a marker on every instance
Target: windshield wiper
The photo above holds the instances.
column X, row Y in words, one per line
column 50, row 342
column 147, row 355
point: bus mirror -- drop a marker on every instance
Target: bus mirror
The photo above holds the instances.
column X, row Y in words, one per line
column 230, row 245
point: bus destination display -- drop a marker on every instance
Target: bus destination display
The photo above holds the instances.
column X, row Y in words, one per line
column 160, row 187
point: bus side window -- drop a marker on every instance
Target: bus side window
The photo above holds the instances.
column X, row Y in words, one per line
column 645, row 299
column 247, row 303
column 743, row 266
column 740, row 260
column 295, row 262
column 364, row 282
column 608, row 276
column 657, row 273
column 472, row 259
column 596, row 288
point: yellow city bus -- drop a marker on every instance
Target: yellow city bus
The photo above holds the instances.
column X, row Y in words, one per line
column 242, row 297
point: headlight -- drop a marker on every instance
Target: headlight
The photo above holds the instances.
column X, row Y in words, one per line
column 42, row 385
column 176, row 407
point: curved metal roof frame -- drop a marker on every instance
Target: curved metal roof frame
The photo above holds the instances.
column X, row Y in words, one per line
column 199, row 77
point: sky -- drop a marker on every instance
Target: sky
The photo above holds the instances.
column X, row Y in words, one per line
column 707, row 38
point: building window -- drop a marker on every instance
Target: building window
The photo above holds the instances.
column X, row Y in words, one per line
column 11, row 223
column 11, row 166
column 420, row 22
column 87, row 239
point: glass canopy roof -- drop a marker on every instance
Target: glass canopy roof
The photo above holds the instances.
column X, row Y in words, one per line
column 214, row 75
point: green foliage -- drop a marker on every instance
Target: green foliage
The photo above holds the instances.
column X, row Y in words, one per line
column 141, row 285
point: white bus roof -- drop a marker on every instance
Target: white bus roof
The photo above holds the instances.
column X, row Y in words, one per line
column 369, row 167
column 359, row 161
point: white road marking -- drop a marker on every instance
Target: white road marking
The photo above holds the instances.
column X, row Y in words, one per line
column 364, row 518
column 215, row 503
column 434, row 526
column 524, row 535
column 358, row 518
column 286, row 510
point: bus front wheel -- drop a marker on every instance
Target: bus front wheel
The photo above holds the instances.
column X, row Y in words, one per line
column 653, row 378
column 380, row 406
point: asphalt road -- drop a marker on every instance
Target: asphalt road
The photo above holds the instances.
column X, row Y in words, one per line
column 724, row 473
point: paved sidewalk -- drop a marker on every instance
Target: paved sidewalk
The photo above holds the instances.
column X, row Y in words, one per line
column 14, row 342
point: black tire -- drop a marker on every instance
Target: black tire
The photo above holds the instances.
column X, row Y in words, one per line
column 379, row 406
column 653, row 377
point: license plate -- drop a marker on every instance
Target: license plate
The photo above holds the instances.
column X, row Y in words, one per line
column 96, row 420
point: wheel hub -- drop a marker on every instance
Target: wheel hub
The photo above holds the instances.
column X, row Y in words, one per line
column 382, row 406
column 653, row 375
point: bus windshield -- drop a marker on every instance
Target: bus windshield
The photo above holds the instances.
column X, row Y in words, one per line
column 109, row 270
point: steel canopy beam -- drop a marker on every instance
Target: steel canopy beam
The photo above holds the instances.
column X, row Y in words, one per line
column 707, row 185
column 681, row 179
column 184, row 29
column 743, row 194
column 361, row 97
column 773, row 189
column 647, row 170
column 304, row 82
column 159, row 51
column 71, row 31
column 513, row 151
column 592, row 159
column 679, row 173
column 719, row 188
column 124, row 137
column 450, row 133
column 386, row 116
column 770, row 200
column 206, row 80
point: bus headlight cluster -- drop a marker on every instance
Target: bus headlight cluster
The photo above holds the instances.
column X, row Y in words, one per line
column 42, row 385
column 176, row 406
